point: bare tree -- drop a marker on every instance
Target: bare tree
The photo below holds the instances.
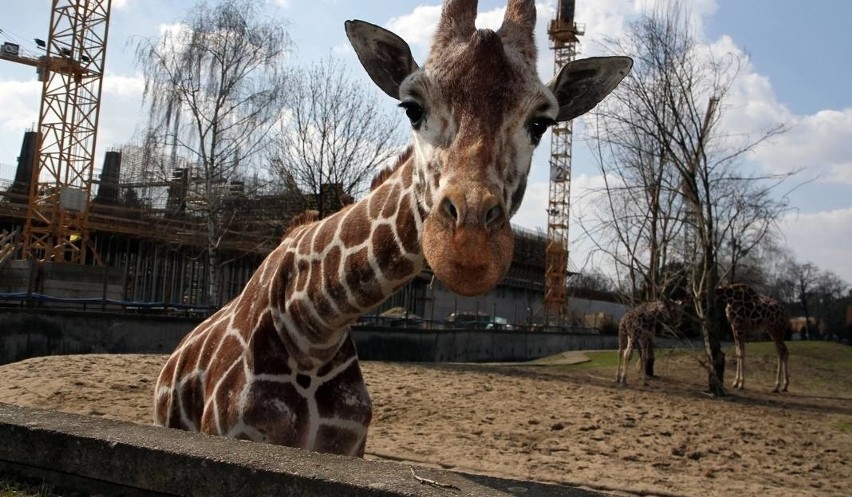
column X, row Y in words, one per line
column 332, row 138
column 747, row 213
column 804, row 278
column 634, row 219
column 830, row 301
column 685, row 190
column 214, row 86
column 817, row 293
column 594, row 280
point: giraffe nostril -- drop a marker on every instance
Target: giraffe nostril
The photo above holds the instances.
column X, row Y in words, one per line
column 493, row 215
column 450, row 208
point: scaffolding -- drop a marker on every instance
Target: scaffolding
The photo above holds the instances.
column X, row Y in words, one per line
column 563, row 34
column 71, row 72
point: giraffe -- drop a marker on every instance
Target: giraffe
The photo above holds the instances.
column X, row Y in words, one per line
column 637, row 329
column 277, row 364
column 747, row 310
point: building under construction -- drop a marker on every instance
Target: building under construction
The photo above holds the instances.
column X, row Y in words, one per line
column 148, row 244
column 141, row 234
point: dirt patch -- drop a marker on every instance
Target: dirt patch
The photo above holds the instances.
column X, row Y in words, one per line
column 545, row 422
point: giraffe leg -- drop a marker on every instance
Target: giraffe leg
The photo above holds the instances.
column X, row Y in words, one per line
column 618, row 373
column 740, row 346
column 628, row 355
column 782, row 375
column 649, row 362
column 777, row 375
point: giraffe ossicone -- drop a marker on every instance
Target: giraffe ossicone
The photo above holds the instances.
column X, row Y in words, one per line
column 277, row 364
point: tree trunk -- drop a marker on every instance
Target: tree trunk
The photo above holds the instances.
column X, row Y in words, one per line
column 212, row 263
column 715, row 356
column 711, row 328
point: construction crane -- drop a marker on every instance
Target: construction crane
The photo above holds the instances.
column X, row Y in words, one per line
column 71, row 72
column 564, row 33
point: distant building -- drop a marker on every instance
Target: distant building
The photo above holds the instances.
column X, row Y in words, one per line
column 146, row 226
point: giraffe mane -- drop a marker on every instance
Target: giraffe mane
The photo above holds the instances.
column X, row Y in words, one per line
column 301, row 219
column 387, row 172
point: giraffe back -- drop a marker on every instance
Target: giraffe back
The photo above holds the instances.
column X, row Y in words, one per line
column 751, row 313
column 642, row 322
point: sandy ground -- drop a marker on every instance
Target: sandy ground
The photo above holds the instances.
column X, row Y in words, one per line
column 544, row 423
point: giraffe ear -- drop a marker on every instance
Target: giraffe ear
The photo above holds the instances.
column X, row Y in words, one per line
column 581, row 84
column 385, row 56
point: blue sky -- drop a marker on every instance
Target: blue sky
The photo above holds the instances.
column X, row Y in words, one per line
column 799, row 73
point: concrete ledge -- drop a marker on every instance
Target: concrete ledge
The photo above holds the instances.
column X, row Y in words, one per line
column 97, row 455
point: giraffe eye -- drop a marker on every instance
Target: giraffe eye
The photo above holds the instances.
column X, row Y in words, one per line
column 538, row 126
column 414, row 112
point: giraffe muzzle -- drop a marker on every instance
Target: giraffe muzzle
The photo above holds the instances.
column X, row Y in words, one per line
column 468, row 241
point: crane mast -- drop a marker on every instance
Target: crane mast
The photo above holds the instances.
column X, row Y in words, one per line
column 563, row 32
column 71, row 73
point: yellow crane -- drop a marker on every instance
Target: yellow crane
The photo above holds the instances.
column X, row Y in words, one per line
column 564, row 33
column 71, row 73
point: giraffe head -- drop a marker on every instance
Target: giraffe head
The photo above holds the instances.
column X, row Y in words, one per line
column 477, row 112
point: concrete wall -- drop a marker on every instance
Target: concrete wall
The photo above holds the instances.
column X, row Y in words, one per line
column 519, row 306
column 28, row 333
column 105, row 457
column 471, row 345
column 32, row 333
column 62, row 280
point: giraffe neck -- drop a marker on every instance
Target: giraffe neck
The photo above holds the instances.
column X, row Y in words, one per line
column 325, row 275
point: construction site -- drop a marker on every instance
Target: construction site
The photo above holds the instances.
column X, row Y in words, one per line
column 146, row 247
column 131, row 233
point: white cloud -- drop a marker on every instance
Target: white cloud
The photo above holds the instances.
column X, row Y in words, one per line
column 602, row 20
column 174, row 29
column 823, row 238
column 696, row 10
column 751, row 103
column 343, row 50
column 19, row 106
column 533, row 211
column 819, row 144
column 417, row 27
column 121, row 110
column 491, row 19
column 130, row 86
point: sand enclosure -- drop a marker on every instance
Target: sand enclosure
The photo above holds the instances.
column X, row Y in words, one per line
column 548, row 423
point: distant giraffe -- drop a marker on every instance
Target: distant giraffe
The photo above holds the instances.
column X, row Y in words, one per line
column 277, row 364
column 747, row 310
column 637, row 329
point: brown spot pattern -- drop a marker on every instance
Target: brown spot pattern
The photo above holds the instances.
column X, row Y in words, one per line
column 268, row 353
column 360, row 278
column 392, row 202
column 278, row 411
column 334, row 440
column 356, row 226
column 388, row 255
column 406, row 229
